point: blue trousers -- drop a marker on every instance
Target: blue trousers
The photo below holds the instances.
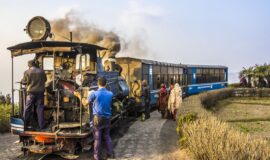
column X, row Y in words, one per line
column 37, row 100
column 102, row 129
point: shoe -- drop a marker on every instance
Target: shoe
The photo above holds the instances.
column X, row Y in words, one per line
column 92, row 158
column 110, row 156
column 42, row 130
column 29, row 128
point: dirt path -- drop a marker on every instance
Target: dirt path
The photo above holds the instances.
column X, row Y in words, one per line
column 10, row 148
column 154, row 138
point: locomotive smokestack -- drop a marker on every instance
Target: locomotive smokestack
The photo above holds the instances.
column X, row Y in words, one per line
column 112, row 62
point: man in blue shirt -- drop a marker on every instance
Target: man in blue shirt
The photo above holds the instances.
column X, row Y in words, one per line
column 102, row 102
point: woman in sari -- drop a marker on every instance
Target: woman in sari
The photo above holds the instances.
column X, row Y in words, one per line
column 175, row 100
column 162, row 101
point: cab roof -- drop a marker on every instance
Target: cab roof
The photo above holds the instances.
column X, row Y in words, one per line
column 51, row 46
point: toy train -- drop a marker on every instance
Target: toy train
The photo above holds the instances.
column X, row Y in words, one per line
column 73, row 66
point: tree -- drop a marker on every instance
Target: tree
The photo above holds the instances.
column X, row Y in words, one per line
column 247, row 72
column 260, row 72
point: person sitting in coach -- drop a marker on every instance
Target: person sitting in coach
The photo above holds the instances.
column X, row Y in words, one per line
column 34, row 79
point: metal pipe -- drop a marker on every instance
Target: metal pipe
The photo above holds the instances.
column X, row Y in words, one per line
column 58, row 108
column 53, row 71
column 129, row 84
column 12, row 85
column 21, row 101
column 70, row 34
column 24, row 99
column 81, row 94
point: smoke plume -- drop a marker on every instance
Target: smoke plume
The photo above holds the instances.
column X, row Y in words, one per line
column 134, row 47
column 84, row 32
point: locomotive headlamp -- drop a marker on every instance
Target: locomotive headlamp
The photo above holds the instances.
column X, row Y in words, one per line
column 38, row 28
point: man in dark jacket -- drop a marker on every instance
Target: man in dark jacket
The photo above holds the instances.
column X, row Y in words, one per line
column 146, row 98
column 34, row 79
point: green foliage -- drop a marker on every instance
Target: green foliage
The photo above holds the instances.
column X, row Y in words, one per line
column 210, row 99
column 182, row 120
column 234, row 85
column 243, row 129
column 5, row 112
column 251, row 92
column 258, row 73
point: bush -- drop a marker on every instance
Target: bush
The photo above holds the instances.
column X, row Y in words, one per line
column 181, row 122
column 208, row 138
column 234, row 85
column 251, row 92
column 5, row 112
column 210, row 99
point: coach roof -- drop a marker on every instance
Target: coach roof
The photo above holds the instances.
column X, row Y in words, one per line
column 145, row 61
column 205, row 66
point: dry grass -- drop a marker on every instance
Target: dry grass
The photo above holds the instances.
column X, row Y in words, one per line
column 256, row 129
column 208, row 138
column 247, row 114
column 182, row 154
column 243, row 109
column 251, row 100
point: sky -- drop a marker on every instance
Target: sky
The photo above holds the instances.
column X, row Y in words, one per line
column 231, row 33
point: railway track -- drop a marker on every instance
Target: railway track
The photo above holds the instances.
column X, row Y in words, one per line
column 118, row 129
column 40, row 157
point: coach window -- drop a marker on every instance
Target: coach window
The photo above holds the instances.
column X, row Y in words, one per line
column 212, row 75
column 176, row 73
column 83, row 62
column 190, row 76
column 156, row 76
column 171, row 77
column 221, row 74
column 216, row 75
column 199, row 75
column 180, row 76
column 164, row 75
column 145, row 72
column 185, row 76
column 205, row 75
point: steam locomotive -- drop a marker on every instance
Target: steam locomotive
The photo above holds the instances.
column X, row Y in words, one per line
column 74, row 67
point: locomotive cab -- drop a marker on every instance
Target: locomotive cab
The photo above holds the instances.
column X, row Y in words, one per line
column 69, row 67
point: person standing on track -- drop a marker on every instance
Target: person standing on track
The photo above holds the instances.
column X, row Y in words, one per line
column 102, row 103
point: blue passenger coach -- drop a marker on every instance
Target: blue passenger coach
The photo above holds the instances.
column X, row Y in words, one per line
column 206, row 77
column 192, row 78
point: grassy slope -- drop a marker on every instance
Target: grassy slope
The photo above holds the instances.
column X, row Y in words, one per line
column 249, row 115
